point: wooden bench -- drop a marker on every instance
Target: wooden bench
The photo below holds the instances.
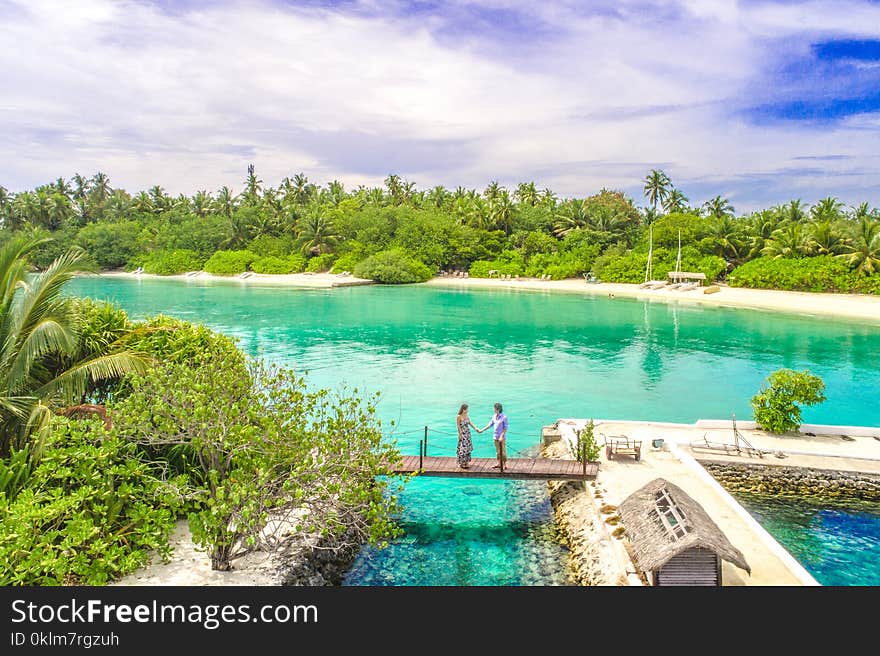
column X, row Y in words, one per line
column 624, row 445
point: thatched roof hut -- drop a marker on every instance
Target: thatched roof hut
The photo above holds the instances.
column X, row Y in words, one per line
column 664, row 523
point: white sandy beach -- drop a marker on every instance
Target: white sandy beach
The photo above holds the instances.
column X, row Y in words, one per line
column 318, row 280
column 845, row 306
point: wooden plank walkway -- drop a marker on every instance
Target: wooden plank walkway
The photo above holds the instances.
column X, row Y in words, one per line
column 543, row 469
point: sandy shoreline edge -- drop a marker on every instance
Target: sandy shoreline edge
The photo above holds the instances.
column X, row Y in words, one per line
column 840, row 306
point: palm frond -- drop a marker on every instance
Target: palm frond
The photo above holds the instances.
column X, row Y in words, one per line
column 73, row 383
column 48, row 336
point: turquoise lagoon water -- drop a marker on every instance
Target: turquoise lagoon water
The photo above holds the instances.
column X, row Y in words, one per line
column 839, row 545
column 544, row 356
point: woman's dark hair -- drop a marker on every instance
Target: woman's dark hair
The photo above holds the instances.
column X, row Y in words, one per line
column 498, row 407
column 464, row 406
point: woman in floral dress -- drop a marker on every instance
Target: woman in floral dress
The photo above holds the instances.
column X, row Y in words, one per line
column 465, row 446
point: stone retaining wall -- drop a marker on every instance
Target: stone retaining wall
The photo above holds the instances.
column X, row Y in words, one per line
column 795, row 481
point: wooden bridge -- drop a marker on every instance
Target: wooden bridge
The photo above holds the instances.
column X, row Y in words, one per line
column 543, row 469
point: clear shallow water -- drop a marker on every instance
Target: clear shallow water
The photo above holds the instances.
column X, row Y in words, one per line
column 837, row 545
column 544, row 356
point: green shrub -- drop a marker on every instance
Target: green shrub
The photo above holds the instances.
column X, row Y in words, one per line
column 227, row 263
column 321, row 263
column 347, row 262
column 91, row 511
column 776, row 405
column 266, row 245
column 393, row 267
column 508, row 262
column 110, row 245
column 630, row 267
column 168, row 263
column 823, row 273
column 274, row 264
column 585, row 446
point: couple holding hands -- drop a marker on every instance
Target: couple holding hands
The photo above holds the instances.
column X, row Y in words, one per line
column 465, row 446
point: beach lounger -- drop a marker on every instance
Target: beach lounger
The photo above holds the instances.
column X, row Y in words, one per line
column 466, row 274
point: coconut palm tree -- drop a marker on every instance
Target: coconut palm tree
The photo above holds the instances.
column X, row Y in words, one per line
column 527, row 193
column 827, row 209
column 225, row 203
column 201, row 203
column 863, row 253
column 675, row 201
column 252, row 186
column 718, row 208
column 657, row 187
column 572, row 215
column 728, row 236
column 316, row 233
column 793, row 211
column 437, row 196
column 501, row 211
column 787, row 241
column 36, row 323
column 492, row 191
column 826, row 238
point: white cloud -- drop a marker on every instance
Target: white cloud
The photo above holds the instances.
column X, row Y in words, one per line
column 186, row 100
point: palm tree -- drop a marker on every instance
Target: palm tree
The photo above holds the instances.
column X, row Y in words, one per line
column 62, row 187
column 675, row 201
column 492, row 191
column 437, row 196
column 572, row 215
column 827, row 209
column 100, row 188
column 863, row 253
column 252, row 186
column 861, row 211
column 201, row 203
column 728, row 237
column 787, row 241
column 37, row 323
column 501, row 211
column 336, row 192
column 161, row 202
column 657, row 187
column 548, row 198
column 527, row 193
column 316, row 233
column 825, row 238
column 225, row 202
column 718, row 208
column 793, row 211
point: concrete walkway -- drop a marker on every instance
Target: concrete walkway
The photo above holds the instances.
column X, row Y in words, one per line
column 771, row 564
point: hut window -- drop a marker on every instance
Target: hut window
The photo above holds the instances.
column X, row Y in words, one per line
column 670, row 515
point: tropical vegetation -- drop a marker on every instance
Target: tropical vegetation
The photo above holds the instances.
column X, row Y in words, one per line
column 777, row 405
column 397, row 233
column 113, row 429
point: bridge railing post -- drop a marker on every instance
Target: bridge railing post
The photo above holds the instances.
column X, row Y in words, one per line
column 421, row 448
column 426, row 441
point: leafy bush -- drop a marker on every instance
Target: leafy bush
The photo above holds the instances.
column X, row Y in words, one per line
column 266, row 444
column 168, row 263
column 393, row 267
column 91, row 511
column 347, row 262
column 586, row 447
column 823, row 273
column 110, row 245
column 321, row 263
column 227, row 263
column 776, row 405
column 266, row 245
column 630, row 267
column 508, row 262
column 274, row 264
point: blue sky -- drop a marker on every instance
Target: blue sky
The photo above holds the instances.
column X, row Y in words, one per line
column 758, row 101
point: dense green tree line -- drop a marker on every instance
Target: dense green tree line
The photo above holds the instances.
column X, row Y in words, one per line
column 398, row 233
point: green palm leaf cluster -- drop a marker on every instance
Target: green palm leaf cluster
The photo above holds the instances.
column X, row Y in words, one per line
column 42, row 363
